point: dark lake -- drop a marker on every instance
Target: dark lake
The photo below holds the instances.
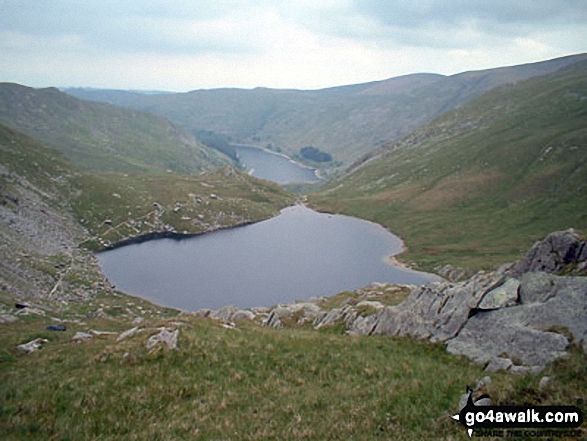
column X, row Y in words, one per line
column 295, row 256
column 272, row 166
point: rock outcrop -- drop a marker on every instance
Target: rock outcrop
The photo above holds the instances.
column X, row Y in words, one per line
column 553, row 254
column 520, row 318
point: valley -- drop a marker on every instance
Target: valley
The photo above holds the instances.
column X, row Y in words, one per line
column 472, row 171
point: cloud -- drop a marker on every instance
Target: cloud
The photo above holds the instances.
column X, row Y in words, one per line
column 186, row 44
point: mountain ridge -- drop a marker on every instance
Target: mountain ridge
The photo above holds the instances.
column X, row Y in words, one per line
column 101, row 135
column 345, row 121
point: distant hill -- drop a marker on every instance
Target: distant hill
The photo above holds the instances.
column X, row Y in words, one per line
column 102, row 136
column 482, row 182
column 346, row 122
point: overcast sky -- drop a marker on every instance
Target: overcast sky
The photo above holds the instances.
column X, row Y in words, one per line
column 182, row 45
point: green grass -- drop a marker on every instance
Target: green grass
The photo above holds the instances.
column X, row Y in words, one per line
column 249, row 383
column 479, row 185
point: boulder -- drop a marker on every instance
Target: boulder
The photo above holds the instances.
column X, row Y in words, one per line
column 166, row 337
column 273, row 321
column 519, row 333
column 553, row 254
column 502, row 296
column 128, row 333
column 499, row 364
column 363, row 325
column 32, row 346
column 436, row 311
column 82, row 336
column 224, row 313
column 243, row 314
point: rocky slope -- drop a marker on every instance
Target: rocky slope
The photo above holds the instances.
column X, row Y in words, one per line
column 52, row 213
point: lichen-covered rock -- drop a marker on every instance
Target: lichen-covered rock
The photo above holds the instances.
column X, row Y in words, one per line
column 502, row 296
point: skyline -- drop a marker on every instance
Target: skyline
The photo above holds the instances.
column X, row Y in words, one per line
column 181, row 46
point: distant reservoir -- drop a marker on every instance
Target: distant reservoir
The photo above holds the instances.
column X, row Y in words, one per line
column 295, row 256
column 276, row 167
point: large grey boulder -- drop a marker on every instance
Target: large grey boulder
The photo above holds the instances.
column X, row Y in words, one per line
column 530, row 333
column 436, row 311
column 552, row 254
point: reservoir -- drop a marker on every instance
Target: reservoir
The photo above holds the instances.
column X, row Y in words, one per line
column 294, row 256
column 264, row 164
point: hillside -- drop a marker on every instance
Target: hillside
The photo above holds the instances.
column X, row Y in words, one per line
column 101, row 136
column 51, row 212
column 481, row 183
column 346, row 122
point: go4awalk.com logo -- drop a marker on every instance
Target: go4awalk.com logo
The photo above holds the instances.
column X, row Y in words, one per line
column 495, row 418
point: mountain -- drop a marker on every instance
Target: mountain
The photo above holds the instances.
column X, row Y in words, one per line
column 345, row 122
column 484, row 181
column 102, row 136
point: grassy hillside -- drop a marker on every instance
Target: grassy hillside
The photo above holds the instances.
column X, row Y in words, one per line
column 116, row 206
column 101, row 136
column 247, row 383
column 480, row 184
column 346, row 122
column 49, row 207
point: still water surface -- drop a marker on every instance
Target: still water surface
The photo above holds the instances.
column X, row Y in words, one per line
column 297, row 255
column 273, row 166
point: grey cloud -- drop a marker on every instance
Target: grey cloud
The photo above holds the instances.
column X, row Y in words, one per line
column 495, row 12
column 145, row 26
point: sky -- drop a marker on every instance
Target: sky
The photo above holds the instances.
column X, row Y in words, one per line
column 181, row 45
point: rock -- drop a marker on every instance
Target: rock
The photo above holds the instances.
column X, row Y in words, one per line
column 501, row 297
column 273, row 321
column 29, row 311
column 451, row 273
column 485, row 401
column 224, row 313
column 166, row 337
column 436, row 311
column 128, row 333
column 137, row 320
column 243, row 314
column 204, row 313
column 363, row 325
column 553, row 254
column 537, row 288
column 82, row 336
column 7, row 318
column 490, row 334
column 544, row 383
column 371, row 303
column 94, row 332
column 483, row 383
column 499, row 364
column 32, row 346
column 328, row 318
